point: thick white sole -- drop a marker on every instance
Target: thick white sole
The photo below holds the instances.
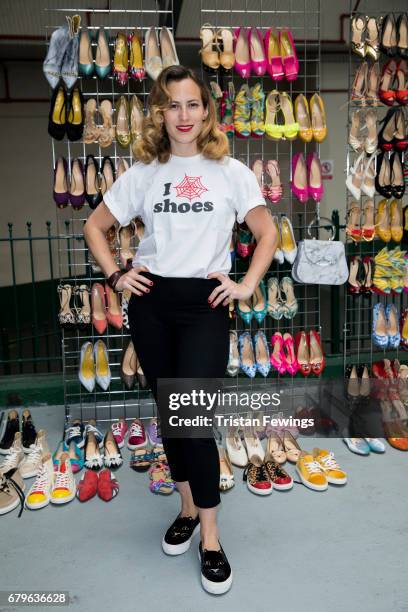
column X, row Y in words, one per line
column 11, row 507
column 179, row 549
column 4, row 451
column 134, row 446
column 215, row 588
column 337, row 481
column 259, row 491
column 37, row 506
column 64, row 500
column 309, row 485
column 284, row 487
column 29, row 475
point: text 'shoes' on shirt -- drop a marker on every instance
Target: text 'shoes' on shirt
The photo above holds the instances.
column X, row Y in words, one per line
column 189, row 206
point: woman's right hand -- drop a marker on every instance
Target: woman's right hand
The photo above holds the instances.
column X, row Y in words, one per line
column 134, row 281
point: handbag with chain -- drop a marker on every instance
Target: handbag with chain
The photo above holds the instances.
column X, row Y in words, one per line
column 320, row 262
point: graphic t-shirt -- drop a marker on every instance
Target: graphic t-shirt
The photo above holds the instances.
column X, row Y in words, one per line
column 188, row 206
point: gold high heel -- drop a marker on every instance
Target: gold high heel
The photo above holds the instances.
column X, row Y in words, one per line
column 318, row 114
column 136, row 68
column 106, row 132
column 382, row 222
column 122, row 123
column 302, row 115
column 396, row 220
column 121, row 59
column 136, row 118
column 209, row 56
column 91, row 130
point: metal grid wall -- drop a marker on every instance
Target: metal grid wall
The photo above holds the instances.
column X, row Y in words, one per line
column 358, row 318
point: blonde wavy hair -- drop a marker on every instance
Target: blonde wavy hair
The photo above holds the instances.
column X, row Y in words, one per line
column 154, row 141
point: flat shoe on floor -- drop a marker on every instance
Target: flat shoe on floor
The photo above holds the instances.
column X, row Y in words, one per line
column 108, row 486
column 87, row 486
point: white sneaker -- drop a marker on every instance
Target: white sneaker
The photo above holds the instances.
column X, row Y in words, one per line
column 63, row 489
column 15, row 455
column 235, row 448
column 33, row 460
column 39, row 494
column 253, row 444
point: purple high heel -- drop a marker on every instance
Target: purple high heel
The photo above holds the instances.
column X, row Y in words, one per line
column 77, row 169
column 302, row 193
column 61, row 198
column 314, row 192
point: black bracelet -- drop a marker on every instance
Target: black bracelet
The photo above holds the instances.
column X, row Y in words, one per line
column 112, row 281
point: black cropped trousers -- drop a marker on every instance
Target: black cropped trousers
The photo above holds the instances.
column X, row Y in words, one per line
column 176, row 334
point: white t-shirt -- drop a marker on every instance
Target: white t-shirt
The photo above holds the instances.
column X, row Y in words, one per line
column 188, row 206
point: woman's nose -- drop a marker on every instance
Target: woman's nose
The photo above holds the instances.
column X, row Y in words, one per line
column 183, row 112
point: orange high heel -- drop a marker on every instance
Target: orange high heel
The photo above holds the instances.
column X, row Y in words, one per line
column 114, row 312
column 99, row 320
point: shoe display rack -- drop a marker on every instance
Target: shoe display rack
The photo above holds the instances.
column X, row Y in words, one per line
column 375, row 240
column 303, row 21
column 76, row 264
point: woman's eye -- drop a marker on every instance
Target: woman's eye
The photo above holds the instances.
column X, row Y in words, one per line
column 193, row 105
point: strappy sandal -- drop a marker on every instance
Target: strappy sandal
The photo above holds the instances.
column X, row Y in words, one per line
column 353, row 229
column 275, row 448
column 106, row 132
column 125, row 234
column 292, row 448
column 141, row 459
column 83, row 312
column 225, row 45
column 66, row 317
column 275, row 189
column 160, row 479
column 91, row 130
column 209, row 51
column 290, row 127
column 272, row 128
column 368, row 227
column 355, row 142
column 359, row 87
column 358, row 26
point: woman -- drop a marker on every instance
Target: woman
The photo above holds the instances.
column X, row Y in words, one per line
column 188, row 193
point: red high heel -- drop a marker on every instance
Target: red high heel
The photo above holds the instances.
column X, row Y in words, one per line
column 402, row 77
column 113, row 313
column 314, row 339
column 99, row 320
column 386, row 94
column 353, row 285
column 303, row 353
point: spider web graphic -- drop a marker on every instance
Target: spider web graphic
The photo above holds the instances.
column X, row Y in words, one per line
column 190, row 187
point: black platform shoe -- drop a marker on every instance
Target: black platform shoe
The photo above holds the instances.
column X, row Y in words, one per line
column 216, row 573
column 58, row 112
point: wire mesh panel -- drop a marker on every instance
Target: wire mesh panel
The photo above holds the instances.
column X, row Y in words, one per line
column 372, row 258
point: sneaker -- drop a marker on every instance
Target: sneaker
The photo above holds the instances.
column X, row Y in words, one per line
column 39, row 494
column 375, row 445
column 119, row 431
column 357, row 445
column 87, row 486
column 91, row 427
column 177, row 538
column 12, row 427
column 11, row 491
column 280, row 479
column 28, row 430
column 15, row 455
column 63, row 490
column 137, row 435
column 33, row 460
column 257, row 478
column 153, row 433
column 310, row 473
column 75, row 433
column 108, row 486
column 330, row 467
column 216, row 573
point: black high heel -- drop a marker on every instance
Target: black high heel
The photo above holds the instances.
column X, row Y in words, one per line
column 75, row 114
column 383, row 143
column 383, row 176
column 107, row 174
column 402, row 35
column 57, row 121
column 93, row 193
column 388, row 42
column 398, row 189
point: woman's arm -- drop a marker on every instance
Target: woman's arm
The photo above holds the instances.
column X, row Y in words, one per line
column 261, row 225
column 95, row 230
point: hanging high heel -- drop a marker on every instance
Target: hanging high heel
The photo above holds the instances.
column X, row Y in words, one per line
column 388, row 42
column 60, row 191
column 85, row 59
column 242, row 54
column 359, row 87
column 353, row 229
column 273, row 55
column 257, row 99
column 262, row 357
column 368, row 227
column 121, row 59
column 386, row 94
column 299, row 184
column 288, row 54
column 302, row 114
column 275, row 306
column 355, row 177
column 386, row 134
column 246, row 353
column 153, row 59
column 358, row 26
column 289, row 304
column 318, row 115
column 259, row 303
column 136, row 68
column 66, row 317
column 372, row 85
column 397, row 176
column 93, row 193
column 122, row 129
column 372, row 42
column 91, row 131
column 106, row 132
column 275, row 189
column 102, row 56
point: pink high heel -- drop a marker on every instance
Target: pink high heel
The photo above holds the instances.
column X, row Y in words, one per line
column 278, row 363
column 273, row 57
column 242, row 63
column 259, row 63
column 299, row 171
column 289, row 57
column 291, row 362
column 113, row 312
column 313, row 165
column 275, row 189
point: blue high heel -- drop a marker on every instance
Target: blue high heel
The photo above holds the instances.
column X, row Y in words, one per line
column 259, row 297
column 246, row 315
column 102, row 56
column 393, row 341
column 379, row 340
column 85, row 49
column 246, row 354
column 261, row 347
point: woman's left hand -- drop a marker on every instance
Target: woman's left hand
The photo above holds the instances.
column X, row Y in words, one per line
column 227, row 290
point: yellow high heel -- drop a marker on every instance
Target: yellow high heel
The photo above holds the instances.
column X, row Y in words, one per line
column 136, row 68
column 272, row 129
column 290, row 127
column 396, row 220
column 318, row 115
column 121, row 59
column 382, row 222
column 302, row 115
column 209, row 56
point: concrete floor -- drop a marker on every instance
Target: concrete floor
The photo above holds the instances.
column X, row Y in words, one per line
column 296, row 551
